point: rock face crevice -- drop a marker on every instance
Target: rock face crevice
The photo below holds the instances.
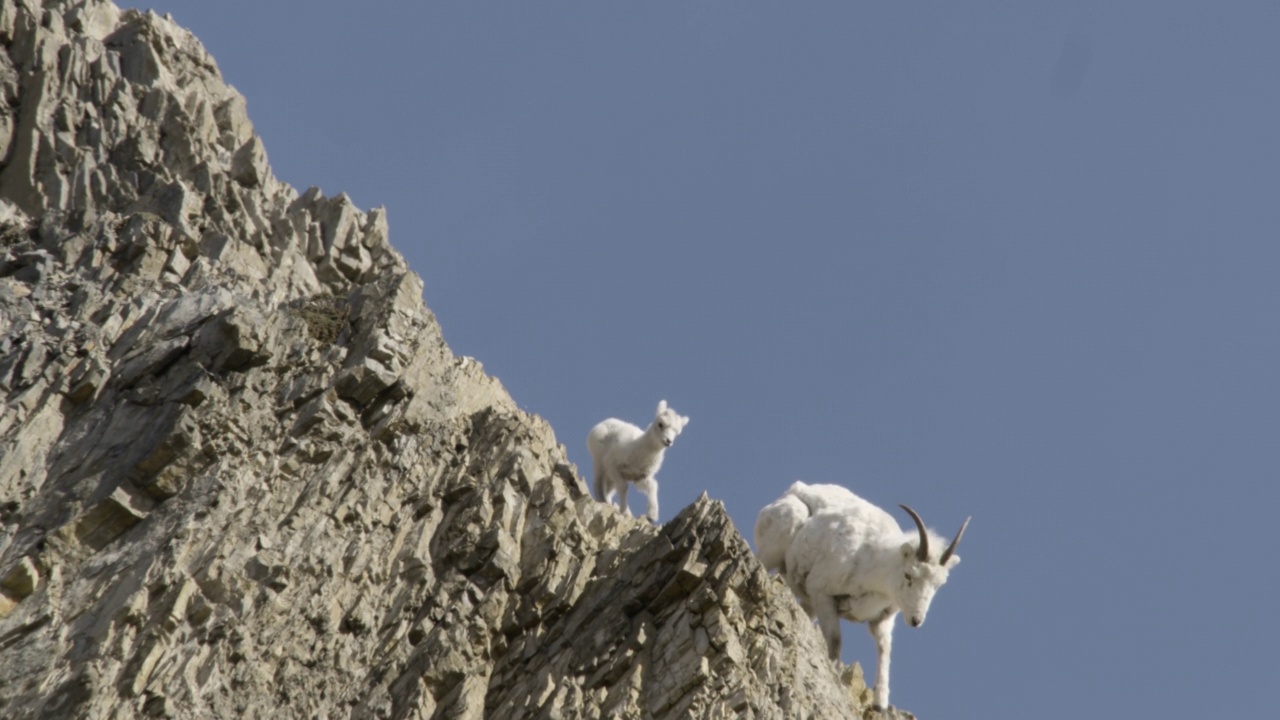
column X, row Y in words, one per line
column 241, row 473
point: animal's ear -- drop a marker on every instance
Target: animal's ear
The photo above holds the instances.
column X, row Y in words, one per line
column 952, row 561
column 662, row 407
column 684, row 421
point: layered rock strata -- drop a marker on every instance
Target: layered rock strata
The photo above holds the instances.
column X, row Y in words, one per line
column 242, row 475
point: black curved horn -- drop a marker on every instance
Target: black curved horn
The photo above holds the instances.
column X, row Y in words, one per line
column 922, row 553
column 946, row 555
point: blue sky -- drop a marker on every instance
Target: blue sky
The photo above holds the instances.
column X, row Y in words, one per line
column 1018, row 261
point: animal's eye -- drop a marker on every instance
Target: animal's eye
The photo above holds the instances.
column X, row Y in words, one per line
column 908, row 577
column 662, row 426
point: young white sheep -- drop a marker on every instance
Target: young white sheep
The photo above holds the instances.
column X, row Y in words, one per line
column 849, row 559
column 622, row 453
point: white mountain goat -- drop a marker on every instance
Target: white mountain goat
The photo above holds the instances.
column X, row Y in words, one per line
column 846, row 558
column 622, row 454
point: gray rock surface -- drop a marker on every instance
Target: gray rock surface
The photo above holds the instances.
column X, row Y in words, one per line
column 242, row 475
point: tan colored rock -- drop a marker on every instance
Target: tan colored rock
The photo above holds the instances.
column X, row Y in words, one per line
column 242, row 475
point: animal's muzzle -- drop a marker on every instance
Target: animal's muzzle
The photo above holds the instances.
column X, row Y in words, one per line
column 667, row 442
column 915, row 621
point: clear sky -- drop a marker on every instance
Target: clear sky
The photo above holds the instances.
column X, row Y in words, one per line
column 1009, row 259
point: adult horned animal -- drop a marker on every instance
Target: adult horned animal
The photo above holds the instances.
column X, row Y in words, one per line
column 844, row 557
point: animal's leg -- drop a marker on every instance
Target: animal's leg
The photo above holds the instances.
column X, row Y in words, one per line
column 622, row 493
column 798, row 588
column 649, row 486
column 802, row 597
column 597, row 478
column 882, row 633
column 824, row 606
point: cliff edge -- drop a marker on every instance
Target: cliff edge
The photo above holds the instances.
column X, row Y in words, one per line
column 242, row 475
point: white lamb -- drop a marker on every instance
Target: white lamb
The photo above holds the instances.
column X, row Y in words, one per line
column 845, row 557
column 622, row 453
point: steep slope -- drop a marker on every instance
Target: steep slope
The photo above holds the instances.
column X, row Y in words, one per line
column 242, row 474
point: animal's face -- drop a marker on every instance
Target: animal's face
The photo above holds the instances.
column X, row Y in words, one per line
column 919, row 582
column 668, row 423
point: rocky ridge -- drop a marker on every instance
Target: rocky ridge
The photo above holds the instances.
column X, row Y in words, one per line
column 242, row 474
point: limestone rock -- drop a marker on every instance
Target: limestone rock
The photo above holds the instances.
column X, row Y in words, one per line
column 241, row 474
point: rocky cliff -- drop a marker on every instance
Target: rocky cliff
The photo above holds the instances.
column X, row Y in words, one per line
column 242, row 475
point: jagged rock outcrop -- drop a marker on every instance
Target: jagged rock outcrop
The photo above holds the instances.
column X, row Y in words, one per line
column 242, row 475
